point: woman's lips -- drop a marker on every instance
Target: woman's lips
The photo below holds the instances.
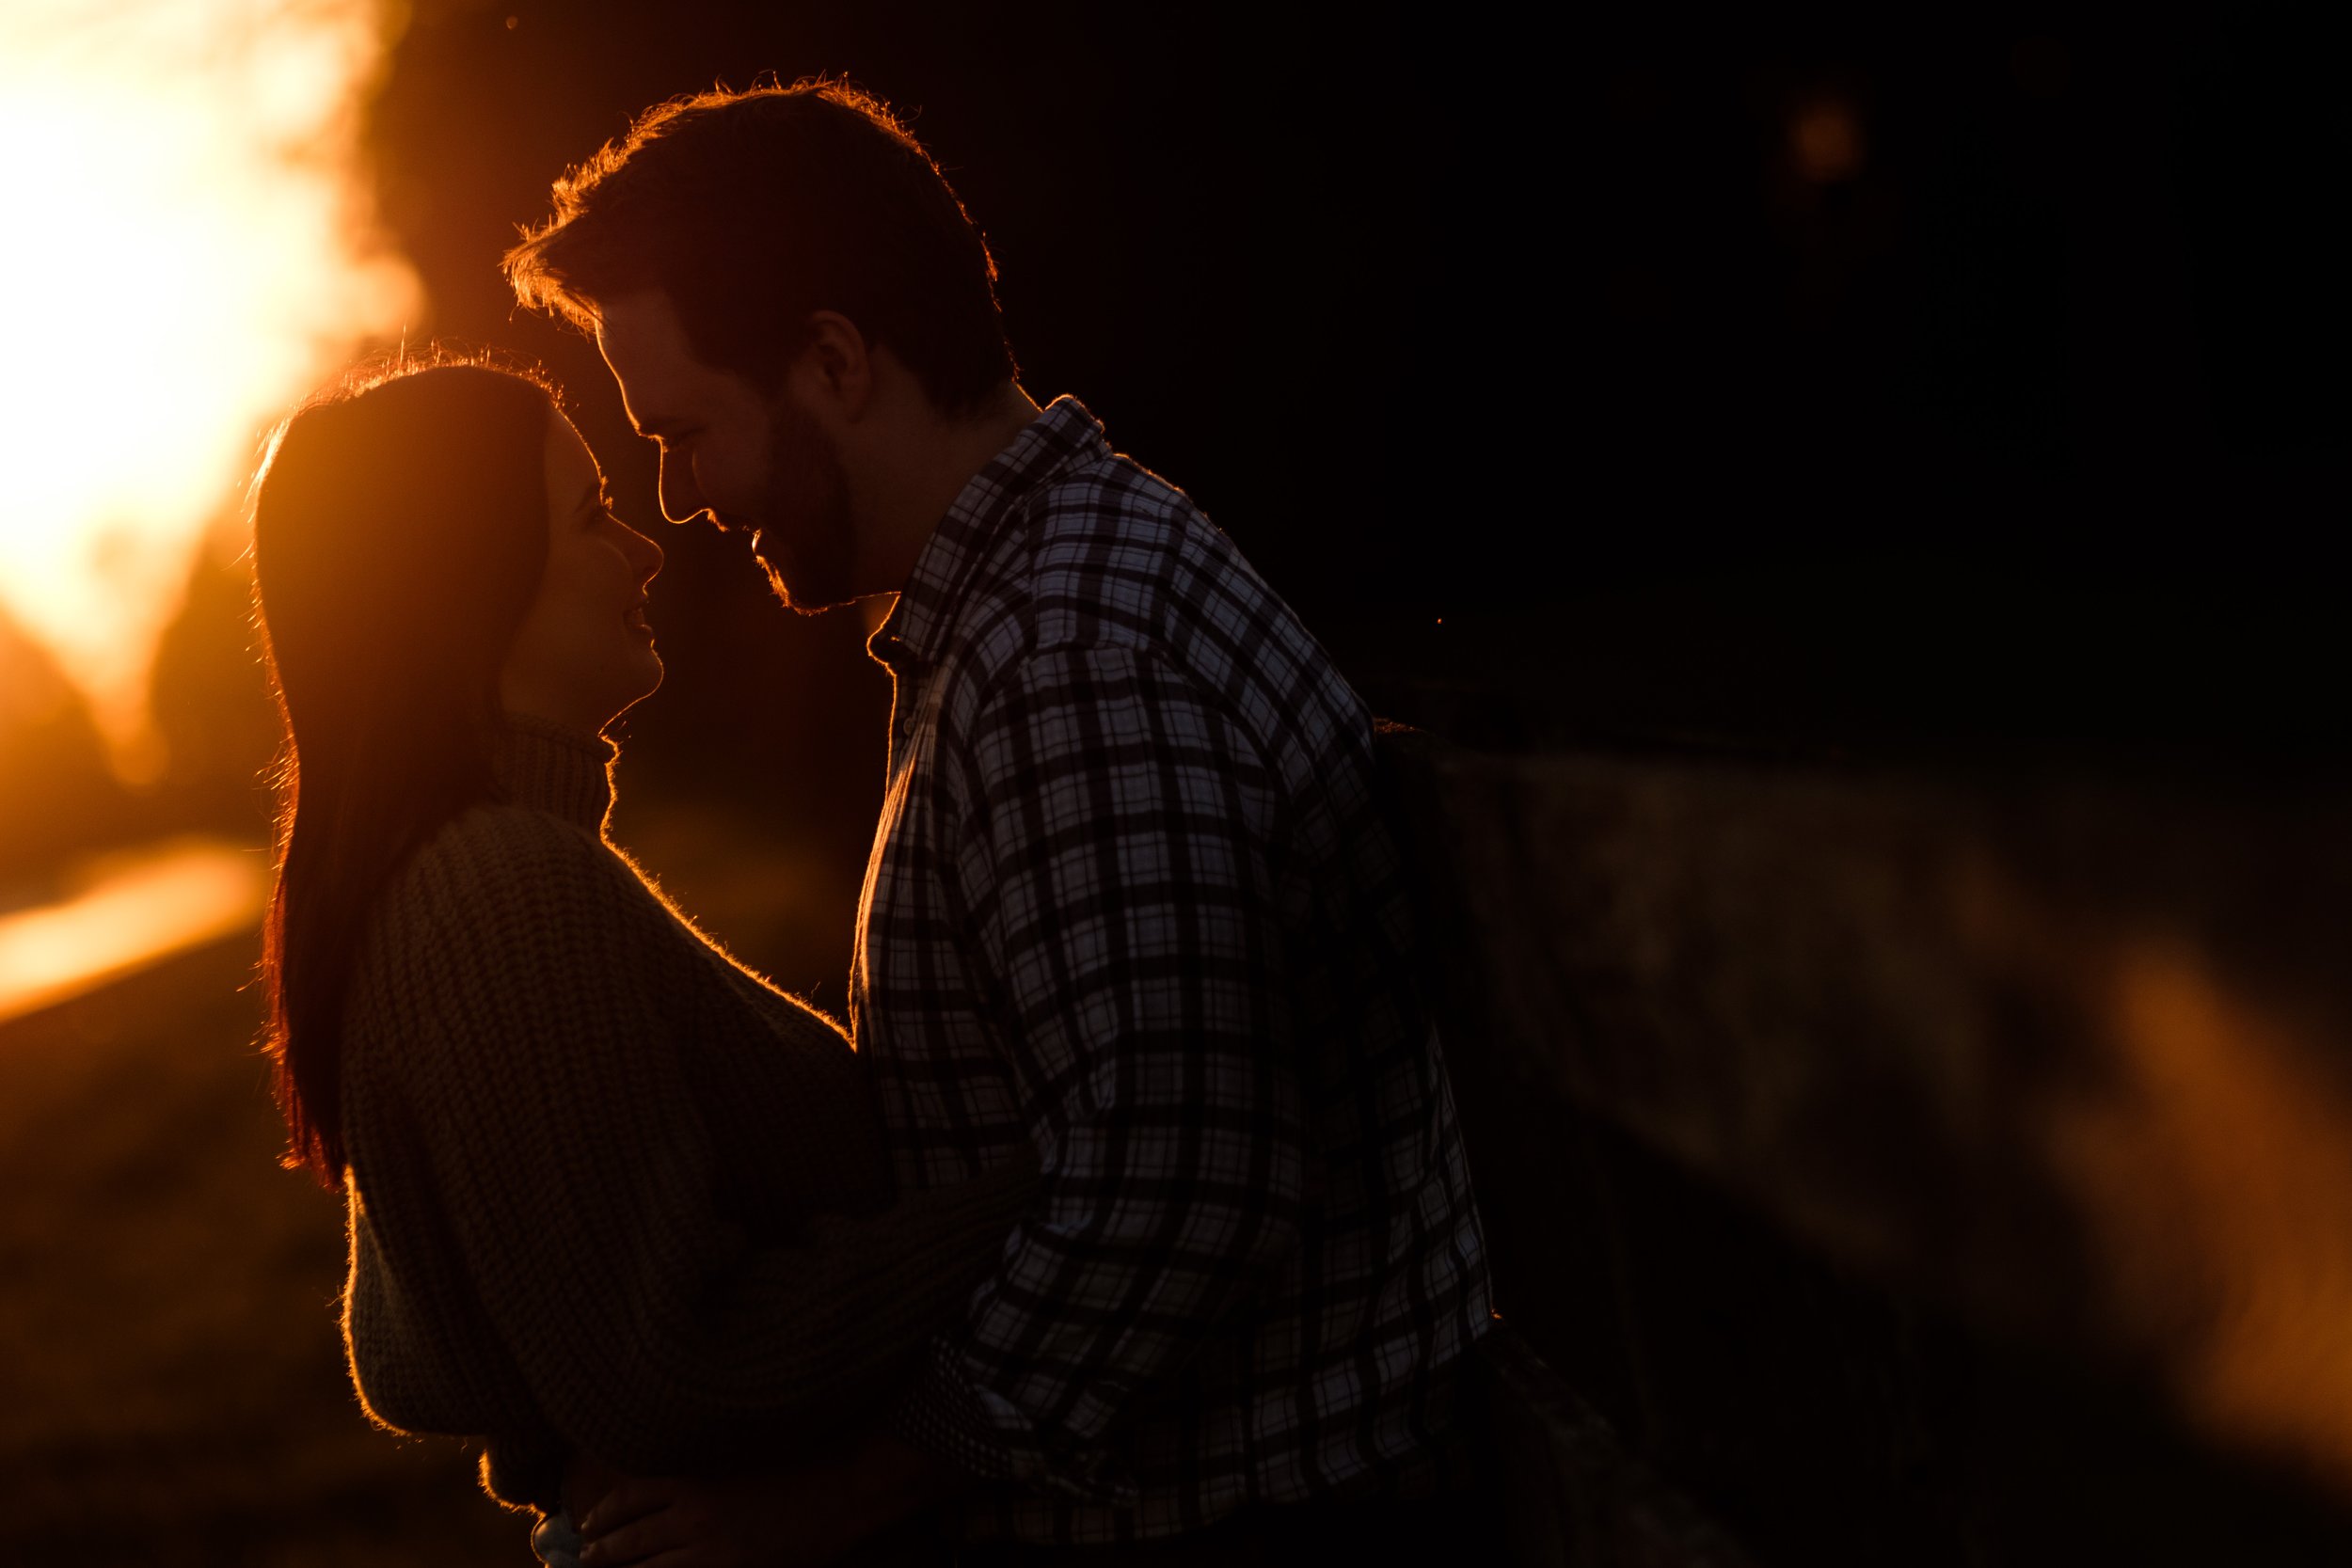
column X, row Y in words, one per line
column 634, row 618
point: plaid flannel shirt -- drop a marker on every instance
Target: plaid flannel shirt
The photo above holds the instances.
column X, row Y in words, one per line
column 1132, row 903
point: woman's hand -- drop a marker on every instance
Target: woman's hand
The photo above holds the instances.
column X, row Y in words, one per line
column 689, row 1522
column 762, row 1519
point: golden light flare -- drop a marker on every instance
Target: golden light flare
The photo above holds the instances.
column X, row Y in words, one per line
column 2222, row 1182
column 125, row 911
column 190, row 247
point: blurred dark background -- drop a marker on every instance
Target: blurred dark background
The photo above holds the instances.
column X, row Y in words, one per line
column 1885, row 392
column 1879, row 391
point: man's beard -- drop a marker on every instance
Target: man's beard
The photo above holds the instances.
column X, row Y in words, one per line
column 808, row 534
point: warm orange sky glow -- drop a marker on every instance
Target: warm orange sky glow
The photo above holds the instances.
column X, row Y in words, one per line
column 190, row 247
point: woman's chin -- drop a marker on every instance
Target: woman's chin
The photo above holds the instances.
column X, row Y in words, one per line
column 646, row 687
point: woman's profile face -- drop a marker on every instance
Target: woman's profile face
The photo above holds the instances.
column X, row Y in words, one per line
column 584, row 652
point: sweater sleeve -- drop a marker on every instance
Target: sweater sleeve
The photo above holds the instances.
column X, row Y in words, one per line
column 576, row 1179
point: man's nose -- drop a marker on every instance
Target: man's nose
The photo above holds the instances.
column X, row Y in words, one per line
column 680, row 500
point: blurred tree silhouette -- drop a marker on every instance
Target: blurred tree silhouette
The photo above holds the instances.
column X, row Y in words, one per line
column 211, row 706
column 57, row 795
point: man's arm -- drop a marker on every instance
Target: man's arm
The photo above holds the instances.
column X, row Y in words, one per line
column 1115, row 868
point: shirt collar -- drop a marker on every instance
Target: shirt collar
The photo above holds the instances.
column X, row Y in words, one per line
column 1062, row 438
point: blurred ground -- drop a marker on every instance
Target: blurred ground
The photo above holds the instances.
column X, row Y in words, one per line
column 174, row 1382
column 171, row 1381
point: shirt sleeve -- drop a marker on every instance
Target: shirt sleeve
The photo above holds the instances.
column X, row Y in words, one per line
column 1116, row 868
column 578, row 1183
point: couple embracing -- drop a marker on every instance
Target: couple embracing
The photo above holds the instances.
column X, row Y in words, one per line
column 1129, row 1220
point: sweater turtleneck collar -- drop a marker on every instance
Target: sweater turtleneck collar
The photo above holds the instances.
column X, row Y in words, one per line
column 552, row 769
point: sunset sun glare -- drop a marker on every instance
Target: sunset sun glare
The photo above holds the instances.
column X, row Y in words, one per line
column 191, row 247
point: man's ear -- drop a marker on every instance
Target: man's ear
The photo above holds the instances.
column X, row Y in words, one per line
column 837, row 369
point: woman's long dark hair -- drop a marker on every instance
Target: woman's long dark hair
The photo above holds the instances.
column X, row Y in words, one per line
column 399, row 535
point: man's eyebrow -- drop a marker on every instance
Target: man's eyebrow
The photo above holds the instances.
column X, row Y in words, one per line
column 592, row 497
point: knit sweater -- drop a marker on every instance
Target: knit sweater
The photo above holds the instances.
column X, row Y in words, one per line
column 610, row 1193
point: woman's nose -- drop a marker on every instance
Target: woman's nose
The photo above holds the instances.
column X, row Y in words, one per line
column 644, row 555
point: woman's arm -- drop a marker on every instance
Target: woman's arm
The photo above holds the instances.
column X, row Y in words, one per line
column 541, row 1061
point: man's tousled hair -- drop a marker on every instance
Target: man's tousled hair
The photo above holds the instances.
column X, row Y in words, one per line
column 753, row 209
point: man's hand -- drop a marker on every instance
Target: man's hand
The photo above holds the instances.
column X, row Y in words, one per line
column 763, row 1519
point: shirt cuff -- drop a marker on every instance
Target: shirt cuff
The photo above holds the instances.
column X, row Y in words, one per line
column 941, row 1412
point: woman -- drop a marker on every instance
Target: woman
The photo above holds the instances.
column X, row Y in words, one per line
column 614, row 1199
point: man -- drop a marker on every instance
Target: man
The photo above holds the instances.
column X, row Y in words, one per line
column 1130, row 902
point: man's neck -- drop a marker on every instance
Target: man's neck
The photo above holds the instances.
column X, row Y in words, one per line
column 981, row 438
column 908, row 502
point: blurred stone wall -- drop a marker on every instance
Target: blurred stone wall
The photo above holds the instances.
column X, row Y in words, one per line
column 1905, row 1168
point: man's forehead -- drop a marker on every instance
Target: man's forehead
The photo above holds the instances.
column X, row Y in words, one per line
column 640, row 330
column 646, row 346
